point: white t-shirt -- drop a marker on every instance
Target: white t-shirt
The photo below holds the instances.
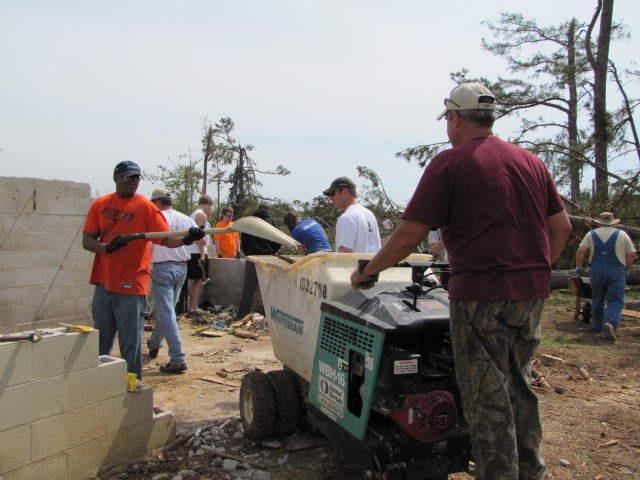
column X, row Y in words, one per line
column 177, row 222
column 207, row 238
column 624, row 245
column 357, row 229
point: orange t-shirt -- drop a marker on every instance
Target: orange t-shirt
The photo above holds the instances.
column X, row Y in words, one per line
column 228, row 241
column 125, row 270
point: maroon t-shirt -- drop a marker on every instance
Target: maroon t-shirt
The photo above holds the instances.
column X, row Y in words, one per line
column 491, row 199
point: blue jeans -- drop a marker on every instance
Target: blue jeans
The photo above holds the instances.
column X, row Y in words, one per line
column 607, row 294
column 166, row 282
column 122, row 314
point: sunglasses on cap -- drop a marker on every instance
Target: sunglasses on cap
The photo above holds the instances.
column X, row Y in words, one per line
column 131, row 178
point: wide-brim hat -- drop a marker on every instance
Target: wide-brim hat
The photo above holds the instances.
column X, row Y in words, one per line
column 606, row 218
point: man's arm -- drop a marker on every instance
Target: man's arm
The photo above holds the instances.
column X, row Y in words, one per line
column 630, row 259
column 90, row 242
column 559, row 227
column 402, row 242
column 580, row 254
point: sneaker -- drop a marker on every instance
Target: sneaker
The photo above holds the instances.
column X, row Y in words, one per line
column 609, row 331
column 174, row 368
column 153, row 352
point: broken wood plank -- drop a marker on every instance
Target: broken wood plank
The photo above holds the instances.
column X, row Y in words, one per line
column 209, row 333
column 242, row 333
column 630, row 313
column 610, row 443
column 226, row 383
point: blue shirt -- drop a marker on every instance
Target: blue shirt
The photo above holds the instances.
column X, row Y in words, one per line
column 309, row 233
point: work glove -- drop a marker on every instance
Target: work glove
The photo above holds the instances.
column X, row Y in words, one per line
column 195, row 234
column 360, row 280
column 579, row 271
column 116, row 244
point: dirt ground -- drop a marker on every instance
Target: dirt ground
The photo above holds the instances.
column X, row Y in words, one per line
column 590, row 404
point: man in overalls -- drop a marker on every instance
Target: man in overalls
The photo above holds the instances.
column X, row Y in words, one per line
column 611, row 255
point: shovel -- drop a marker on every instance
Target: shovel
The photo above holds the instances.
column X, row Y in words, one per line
column 251, row 225
column 77, row 328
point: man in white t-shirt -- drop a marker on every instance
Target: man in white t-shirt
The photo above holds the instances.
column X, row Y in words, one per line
column 357, row 228
column 169, row 270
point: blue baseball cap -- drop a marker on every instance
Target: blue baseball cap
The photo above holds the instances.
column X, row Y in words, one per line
column 126, row 168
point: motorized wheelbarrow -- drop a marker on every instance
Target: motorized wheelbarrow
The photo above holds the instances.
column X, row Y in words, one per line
column 581, row 288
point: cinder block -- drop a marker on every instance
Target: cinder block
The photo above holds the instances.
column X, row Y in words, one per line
column 10, row 297
column 164, row 430
column 15, row 448
column 31, row 242
column 7, row 241
column 125, row 411
column 61, row 432
column 15, row 259
column 16, row 186
column 94, row 385
column 15, row 358
column 18, row 223
column 62, row 188
column 52, row 468
column 46, row 223
column 26, row 277
column 64, row 353
column 83, row 273
column 76, row 257
column 30, row 402
column 73, row 223
column 64, row 240
column 7, row 278
column 75, row 290
column 6, row 316
column 45, row 258
column 42, row 293
column 60, row 274
column 69, row 206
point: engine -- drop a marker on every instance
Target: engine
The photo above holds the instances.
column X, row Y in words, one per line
column 427, row 417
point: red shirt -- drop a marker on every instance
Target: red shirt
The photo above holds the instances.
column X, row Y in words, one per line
column 493, row 199
column 125, row 270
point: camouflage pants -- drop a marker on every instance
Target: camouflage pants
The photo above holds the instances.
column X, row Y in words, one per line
column 493, row 344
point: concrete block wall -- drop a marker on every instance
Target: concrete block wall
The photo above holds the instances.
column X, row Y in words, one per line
column 225, row 284
column 66, row 412
column 44, row 272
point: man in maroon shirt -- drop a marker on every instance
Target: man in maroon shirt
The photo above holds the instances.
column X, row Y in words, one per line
column 504, row 224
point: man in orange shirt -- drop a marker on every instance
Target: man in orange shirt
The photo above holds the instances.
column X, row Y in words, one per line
column 227, row 244
column 121, row 275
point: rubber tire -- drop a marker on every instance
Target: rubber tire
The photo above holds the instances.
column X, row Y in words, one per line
column 257, row 406
column 288, row 403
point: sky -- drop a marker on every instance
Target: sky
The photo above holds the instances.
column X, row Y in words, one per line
column 318, row 87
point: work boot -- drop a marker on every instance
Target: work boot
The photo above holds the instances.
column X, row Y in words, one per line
column 609, row 331
column 174, row 368
column 153, row 352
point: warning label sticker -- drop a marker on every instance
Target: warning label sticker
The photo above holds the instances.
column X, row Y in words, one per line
column 404, row 367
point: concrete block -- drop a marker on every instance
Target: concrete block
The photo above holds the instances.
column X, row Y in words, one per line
column 31, row 242
column 16, row 186
column 30, row 402
column 6, row 316
column 10, row 297
column 41, row 293
column 75, row 290
column 52, row 468
column 25, row 314
column 72, row 223
column 83, row 273
column 46, row 223
column 64, row 240
column 94, row 385
column 18, row 223
column 10, row 260
column 69, row 206
column 162, row 430
column 15, row 358
column 75, row 257
column 62, row 188
column 62, row 432
column 15, row 448
column 7, row 278
column 7, row 204
column 45, row 258
column 125, row 411
column 25, row 277
column 7, row 241
column 64, row 353
column 60, row 274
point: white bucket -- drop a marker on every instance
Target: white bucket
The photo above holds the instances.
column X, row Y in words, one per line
column 292, row 295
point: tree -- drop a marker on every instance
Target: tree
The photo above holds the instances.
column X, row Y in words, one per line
column 554, row 71
column 243, row 180
column 183, row 181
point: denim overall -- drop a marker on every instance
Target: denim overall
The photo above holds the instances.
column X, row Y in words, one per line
column 608, row 281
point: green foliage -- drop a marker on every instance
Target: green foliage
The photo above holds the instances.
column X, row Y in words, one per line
column 183, row 181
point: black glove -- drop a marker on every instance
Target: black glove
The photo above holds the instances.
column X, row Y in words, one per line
column 116, row 244
column 195, row 234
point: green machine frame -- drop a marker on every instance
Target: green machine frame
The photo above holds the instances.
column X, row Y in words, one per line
column 345, row 368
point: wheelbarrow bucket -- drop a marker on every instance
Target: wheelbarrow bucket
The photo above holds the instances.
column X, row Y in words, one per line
column 581, row 289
